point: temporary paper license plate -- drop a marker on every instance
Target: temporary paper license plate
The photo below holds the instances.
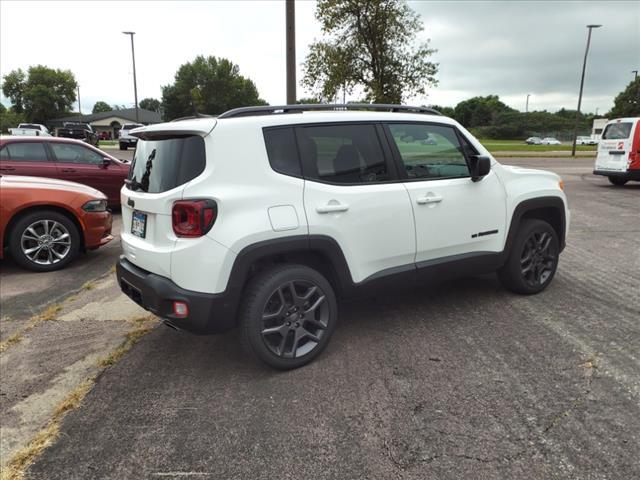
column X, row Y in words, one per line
column 139, row 224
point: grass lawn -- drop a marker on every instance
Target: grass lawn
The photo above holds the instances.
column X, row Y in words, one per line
column 108, row 142
column 519, row 146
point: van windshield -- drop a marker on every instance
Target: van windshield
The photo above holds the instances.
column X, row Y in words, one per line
column 160, row 165
column 617, row 131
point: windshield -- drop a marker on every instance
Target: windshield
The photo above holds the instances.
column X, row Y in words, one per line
column 617, row 131
column 160, row 165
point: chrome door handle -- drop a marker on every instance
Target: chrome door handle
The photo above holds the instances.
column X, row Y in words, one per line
column 68, row 170
column 332, row 207
column 424, row 199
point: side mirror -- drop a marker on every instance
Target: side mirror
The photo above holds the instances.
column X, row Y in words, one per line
column 105, row 162
column 480, row 165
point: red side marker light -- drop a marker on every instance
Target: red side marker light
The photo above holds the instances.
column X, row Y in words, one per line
column 180, row 309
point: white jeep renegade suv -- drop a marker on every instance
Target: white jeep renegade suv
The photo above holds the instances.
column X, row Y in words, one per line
column 264, row 216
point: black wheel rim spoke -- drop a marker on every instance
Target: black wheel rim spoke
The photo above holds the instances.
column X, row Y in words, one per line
column 294, row 319
column 538, row 258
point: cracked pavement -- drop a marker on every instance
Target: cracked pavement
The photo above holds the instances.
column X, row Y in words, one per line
column 464, row 380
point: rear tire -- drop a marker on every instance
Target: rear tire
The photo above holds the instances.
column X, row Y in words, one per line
column 288, row 316
column 44, row 241
column 123, row 147
column 617, row 181
column 533, row 258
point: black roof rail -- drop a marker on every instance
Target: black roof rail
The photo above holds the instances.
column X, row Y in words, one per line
column 299, row 108
column 192, row 117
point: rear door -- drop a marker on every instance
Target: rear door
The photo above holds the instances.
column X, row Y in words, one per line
column 27, row 158
column 616, row 145
column 352, row 195
column 158, row 175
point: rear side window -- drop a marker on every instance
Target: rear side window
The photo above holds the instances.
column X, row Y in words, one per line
column 347, row 154
column 160, row 165
column 282, row 151
column 617, row 131
column 131, row 126
column 24, row 152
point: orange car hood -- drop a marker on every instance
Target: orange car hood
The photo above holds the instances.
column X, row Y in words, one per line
column 17, row 181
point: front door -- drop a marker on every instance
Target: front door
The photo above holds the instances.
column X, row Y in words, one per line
column 81, row 164
column 453, row 215
column 352, row 195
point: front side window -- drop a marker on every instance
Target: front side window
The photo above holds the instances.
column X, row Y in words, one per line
column 25, row 152
column 429, row 151
column 617, row 131
column 70, row 153
column 282, row 150
column 343, row 154
column 160, row 165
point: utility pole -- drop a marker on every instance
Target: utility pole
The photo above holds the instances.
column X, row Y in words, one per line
column 526, row 108
column 135, row 85
column 584, row 67
column 79, row 106
column 291, row 51
column 635, row 72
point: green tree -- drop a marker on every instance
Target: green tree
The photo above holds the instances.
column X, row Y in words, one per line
column 13, row 89
column 150, row 104
column 208, row 85
column 101, row 106
column 479, row 111
column 42, row 94
column 9, row 118
column 627, row 103
column 371, row 44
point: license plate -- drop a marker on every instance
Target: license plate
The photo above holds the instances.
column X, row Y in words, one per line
column 139, row 224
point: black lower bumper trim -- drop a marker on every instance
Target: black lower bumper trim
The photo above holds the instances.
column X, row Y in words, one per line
column 628, row 175
column 208, row 313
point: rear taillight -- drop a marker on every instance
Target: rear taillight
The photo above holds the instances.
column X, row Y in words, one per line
column 193, row 218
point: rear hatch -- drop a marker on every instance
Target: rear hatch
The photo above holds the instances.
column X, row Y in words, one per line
column 72, row 132
column 163, row 164
column 615, row 146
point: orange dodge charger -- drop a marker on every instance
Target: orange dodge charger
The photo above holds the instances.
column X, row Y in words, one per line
column 44, row 223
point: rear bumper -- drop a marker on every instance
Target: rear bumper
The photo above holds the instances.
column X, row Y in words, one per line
column 208, row 313
column 129, row 141
column 627, row 175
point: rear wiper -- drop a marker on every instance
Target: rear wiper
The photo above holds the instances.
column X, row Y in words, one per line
column 134, row 185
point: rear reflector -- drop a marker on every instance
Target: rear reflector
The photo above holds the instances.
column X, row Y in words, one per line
column 193, row 218
column 180, row 309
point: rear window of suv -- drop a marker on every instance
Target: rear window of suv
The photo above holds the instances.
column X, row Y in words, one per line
column 160, row 165
column 617, row 131
column 131, row 126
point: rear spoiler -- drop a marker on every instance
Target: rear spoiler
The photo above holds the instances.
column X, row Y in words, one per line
column 200, row 126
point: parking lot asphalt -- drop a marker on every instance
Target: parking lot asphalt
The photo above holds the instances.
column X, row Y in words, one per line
column 464, row 380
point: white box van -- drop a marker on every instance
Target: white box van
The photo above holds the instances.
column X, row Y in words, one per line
column 619, row 151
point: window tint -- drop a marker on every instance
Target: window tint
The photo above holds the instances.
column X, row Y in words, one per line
column 430, row 151
column 282, row 150
column 160, row 165
column 70, row 153
column 343, row 154
column 617, row 131
column 24, row 152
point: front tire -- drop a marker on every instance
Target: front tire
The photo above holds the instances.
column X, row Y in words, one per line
column 288, row 316
column 533, row 258
column 617, row 181
column 44, row 241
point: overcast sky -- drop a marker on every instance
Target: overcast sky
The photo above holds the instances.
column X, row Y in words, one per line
column 504, row 48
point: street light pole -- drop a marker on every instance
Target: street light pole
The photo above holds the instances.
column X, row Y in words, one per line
column 526, row 108
column 79, row 106
column 584, row 67
column 135, row 85
column 291, row 51
column 635, row 72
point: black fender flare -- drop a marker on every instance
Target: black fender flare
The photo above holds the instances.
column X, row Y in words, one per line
column 555, row 203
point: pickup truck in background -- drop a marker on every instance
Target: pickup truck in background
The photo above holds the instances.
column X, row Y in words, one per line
column 126, row 139
column 30, row 129
column 79, row 131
